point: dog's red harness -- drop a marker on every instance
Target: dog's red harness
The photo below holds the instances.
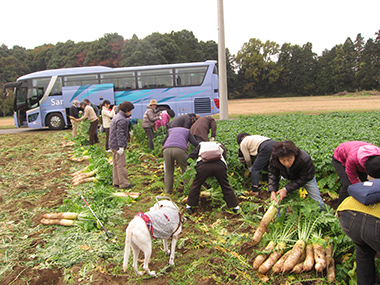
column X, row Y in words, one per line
column 147, row 221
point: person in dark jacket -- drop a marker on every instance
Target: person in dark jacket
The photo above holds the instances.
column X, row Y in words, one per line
column 294, row 164
column 74, row 114
column 201, row 128
column 256, row 152
column 175, row 150
column 119, row 131
column 184, row 121
column 217, row 168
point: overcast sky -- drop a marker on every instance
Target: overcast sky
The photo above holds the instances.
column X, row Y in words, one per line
column 324, row 23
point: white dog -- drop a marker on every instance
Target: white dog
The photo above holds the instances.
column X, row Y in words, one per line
column 163, row 221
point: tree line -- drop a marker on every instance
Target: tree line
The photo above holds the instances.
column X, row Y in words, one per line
column 259, row 69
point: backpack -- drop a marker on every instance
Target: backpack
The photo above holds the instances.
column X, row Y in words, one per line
column 211, row 152
column 367, row 192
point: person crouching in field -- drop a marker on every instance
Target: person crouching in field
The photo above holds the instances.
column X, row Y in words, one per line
column 165, row 118
column 201, row 128
column 353, row 160
column 175, row 150
column 210, row 165
column 360, row 223
column 119, row 132
column 256, row 151
column 293, row 164
column 90, row 114
column 184, row 121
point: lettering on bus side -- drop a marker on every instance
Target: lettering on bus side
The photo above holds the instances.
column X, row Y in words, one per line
column 55, row 102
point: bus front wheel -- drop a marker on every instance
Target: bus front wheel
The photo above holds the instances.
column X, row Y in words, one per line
column 55, row 121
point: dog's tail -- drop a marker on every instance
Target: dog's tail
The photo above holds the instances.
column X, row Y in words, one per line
column 127, row 248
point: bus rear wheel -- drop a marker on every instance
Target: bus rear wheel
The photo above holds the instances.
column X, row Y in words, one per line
column 55, row 121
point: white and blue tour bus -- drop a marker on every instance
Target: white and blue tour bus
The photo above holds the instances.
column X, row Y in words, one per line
column 43, row 98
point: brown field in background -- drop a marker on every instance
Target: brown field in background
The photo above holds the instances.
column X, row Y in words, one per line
column 290, row 105
column 306, row 105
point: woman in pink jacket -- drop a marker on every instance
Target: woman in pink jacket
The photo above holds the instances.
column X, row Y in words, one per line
column 353, row 161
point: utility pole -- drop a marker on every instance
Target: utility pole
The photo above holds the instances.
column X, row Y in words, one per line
column 223, row 99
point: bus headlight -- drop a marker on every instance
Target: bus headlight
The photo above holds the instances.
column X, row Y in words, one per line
column 33, row 117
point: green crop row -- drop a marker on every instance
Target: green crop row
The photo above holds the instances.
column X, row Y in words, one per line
column 318, row 135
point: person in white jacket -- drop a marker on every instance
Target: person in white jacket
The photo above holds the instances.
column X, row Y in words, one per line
column 107, row 115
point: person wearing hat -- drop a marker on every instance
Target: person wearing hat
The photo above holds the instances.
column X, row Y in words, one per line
column 74, row 114
column 256, row 151
column 148, row 122
column 353, row 161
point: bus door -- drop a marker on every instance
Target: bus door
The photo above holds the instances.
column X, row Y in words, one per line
column 20, row 107
column 33, row 112
column 36, row 97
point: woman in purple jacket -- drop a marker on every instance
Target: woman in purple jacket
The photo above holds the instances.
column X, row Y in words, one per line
column 353, row 161
column 175, row 150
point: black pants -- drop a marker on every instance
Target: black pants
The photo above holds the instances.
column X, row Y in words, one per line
column 364, row 231
column 341, row 171
column 205, row 170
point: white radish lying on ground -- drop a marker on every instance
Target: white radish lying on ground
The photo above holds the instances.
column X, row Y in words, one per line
column 305, row 229
column 309, row 260
column 280, row 237
column 262, row 257
column 63, row 215
column 133, row 195
column 273, row 258
column 330, row 269
column 62, row 222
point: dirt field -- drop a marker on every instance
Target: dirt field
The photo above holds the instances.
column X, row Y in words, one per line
column 309, row 105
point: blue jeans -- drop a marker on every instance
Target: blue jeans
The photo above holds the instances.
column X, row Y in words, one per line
column 313, row 191
column 364, row 230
